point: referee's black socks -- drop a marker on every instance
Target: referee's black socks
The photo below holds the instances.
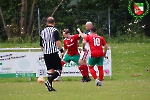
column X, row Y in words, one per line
column 49, row 78
column 52, row 76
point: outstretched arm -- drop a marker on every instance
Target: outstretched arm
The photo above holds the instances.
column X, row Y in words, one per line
column 83, row 45
column 83, row 35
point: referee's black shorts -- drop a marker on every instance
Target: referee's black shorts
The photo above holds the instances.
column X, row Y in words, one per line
column 53, row 61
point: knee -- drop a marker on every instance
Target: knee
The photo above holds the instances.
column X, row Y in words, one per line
column 50, row 71
column 81, row 62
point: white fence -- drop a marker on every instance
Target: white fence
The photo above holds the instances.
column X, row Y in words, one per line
column 29, row 62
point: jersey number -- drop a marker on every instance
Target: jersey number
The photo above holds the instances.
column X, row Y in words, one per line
column 96, row 41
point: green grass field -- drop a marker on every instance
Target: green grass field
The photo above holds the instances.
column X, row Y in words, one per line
column 130, row 80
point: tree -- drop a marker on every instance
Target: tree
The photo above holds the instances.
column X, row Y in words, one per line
column 29, row 28
column 19, row 17
column 4, row 24
column 23, row 15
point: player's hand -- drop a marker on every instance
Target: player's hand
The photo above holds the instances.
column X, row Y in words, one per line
column 78, row 29
column 41, row 48
column 62, row 55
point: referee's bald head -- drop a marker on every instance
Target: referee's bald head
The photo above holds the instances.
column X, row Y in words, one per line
column 50, row 20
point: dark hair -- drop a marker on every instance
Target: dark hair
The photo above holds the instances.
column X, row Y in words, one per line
column 50, row 20
column 66, row 31
column 93, row 29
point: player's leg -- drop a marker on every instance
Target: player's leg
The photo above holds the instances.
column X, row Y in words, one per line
column 87, row 68
column 56, row 69
column 92, row 62
column 50, row 71
column 66, row 59
column 83, row 66
column 62, row 64
column 100, row 69
column 59, row 77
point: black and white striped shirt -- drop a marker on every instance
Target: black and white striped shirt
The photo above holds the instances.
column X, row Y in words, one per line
column 48, row 39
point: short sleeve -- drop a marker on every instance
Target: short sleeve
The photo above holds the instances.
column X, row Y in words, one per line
column 56, row 36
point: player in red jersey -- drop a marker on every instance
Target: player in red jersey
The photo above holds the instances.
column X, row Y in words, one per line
column 71, row 46
column 97, row 54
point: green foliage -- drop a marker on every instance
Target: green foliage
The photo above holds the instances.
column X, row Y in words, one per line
column 75, row 13
column 21, row 40
column 128, row 38
column 15, row 40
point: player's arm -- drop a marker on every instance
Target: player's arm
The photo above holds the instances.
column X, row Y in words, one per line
column 65, row 47
column 83, row 35
column 105, row 45
column 65, row 51
column 105, row 48
column 84, row 42
column 57, row 40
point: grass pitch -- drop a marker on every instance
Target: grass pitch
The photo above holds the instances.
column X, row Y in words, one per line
column 75, row 90
column 130, row 80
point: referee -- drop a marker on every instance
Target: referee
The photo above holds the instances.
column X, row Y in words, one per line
column 50, row 44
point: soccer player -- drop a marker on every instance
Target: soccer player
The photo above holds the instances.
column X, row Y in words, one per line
column 71, row 46
column 97, row 54
column 50, row 44
column 85, row 54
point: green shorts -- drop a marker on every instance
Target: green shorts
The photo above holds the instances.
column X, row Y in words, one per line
column 74, row 58
column 96, row 61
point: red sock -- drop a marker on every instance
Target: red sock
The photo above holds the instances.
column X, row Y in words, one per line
column 93, row 72
column 86, row 71
column 62, row 63
column 101, row 73
column 82, row 69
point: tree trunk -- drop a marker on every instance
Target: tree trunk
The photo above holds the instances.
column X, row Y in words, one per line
column 23, row 19
column 31, row 18
column 57, row 7
column 7, row 29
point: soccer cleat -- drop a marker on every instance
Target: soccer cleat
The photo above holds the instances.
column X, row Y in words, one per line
column 98, row 83
column 85, row 79
column 88, row 79
column 58, row 79
column 49, row 87
column 52, row 89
